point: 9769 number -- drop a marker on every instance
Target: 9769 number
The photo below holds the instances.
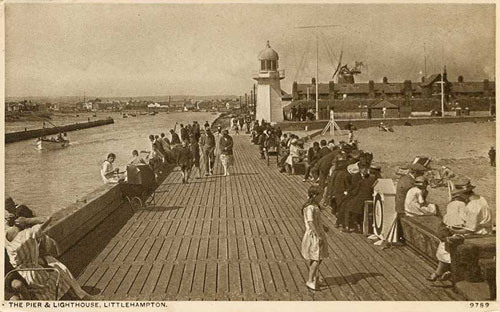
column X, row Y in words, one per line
column 479, row 304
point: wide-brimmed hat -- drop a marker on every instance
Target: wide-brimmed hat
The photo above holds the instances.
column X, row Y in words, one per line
column 418, row 167
column 420, row 180
column 294, row 141
column 462, row 185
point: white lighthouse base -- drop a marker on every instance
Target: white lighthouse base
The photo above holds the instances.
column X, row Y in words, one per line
column 269, row 105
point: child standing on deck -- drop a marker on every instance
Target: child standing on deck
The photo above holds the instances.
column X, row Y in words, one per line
column 314, row 246
column 184, row 158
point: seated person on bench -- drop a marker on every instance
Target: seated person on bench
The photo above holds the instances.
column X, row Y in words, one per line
column 467, row 213
column 416, row 203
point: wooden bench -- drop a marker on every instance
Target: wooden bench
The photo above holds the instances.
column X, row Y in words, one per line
column 471, row 257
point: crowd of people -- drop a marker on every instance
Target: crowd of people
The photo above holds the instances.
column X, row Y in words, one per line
column 301, row 113
column 343, row 178
column 185, row 150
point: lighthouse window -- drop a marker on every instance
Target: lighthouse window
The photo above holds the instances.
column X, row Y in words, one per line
column 273, row 65
column 268, row 65
column 262, row 65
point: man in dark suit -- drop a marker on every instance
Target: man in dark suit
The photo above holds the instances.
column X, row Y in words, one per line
column 405, row 183
column 324, row 150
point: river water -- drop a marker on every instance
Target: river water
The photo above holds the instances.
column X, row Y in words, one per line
column 48, row 181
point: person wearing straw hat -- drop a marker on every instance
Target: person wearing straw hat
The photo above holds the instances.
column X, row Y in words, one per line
column 467, row 213
column 416, row 202
column 314, row 245
column 477, row 213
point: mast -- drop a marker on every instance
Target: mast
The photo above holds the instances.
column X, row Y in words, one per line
column 317, row 62
column 442, row 82
column 317, row 70
column 425, row 62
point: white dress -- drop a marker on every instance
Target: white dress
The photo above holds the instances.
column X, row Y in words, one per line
column 312, row 247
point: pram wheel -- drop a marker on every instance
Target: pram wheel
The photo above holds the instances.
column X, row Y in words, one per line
column 135, row 202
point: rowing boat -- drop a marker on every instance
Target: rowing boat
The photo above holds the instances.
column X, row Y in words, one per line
column 51, row 144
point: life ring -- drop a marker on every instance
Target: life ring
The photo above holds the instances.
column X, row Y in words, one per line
column 378, row 214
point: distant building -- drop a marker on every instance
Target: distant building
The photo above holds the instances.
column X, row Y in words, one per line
column 428, row 88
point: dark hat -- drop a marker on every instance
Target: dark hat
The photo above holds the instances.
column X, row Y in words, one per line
column 10, row 205
column 462, row 185
column 418, row 167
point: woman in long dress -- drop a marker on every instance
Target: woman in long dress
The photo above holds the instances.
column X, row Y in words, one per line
column 23, row 245
column 314, row 246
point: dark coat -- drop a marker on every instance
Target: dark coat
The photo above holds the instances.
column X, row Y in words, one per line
column 226, row 145
column 184, row 134
column 324, row 151
column 341, row 184
column 175, row 139
column 405, row 183
column 325, row 163
column 312, row 156
column 184, row 157
column 361, row 190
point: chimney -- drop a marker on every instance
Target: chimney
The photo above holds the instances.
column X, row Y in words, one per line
column 384, row 80
column 371, row 89
column 295, row 94
column 486, row 88
column 313, row 81
column 331, row 90
column 460, row 78
column 423, row 79
column 407, row 88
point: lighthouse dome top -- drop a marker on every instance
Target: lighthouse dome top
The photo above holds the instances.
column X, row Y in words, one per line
column 268, row 54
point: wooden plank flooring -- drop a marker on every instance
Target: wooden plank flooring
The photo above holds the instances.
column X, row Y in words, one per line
column 238, row 238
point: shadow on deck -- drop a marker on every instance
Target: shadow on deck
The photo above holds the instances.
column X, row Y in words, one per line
column 239, row 238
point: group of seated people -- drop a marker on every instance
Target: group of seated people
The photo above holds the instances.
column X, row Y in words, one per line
column 33, row 254
column 345, row 174
column 466, row 213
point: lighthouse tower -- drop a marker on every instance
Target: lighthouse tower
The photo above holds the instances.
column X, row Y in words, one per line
column 269, row 105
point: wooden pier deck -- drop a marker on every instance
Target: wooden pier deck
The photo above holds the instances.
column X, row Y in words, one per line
column 238, row 238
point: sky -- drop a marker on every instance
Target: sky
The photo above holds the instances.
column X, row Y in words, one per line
column 104, row 49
